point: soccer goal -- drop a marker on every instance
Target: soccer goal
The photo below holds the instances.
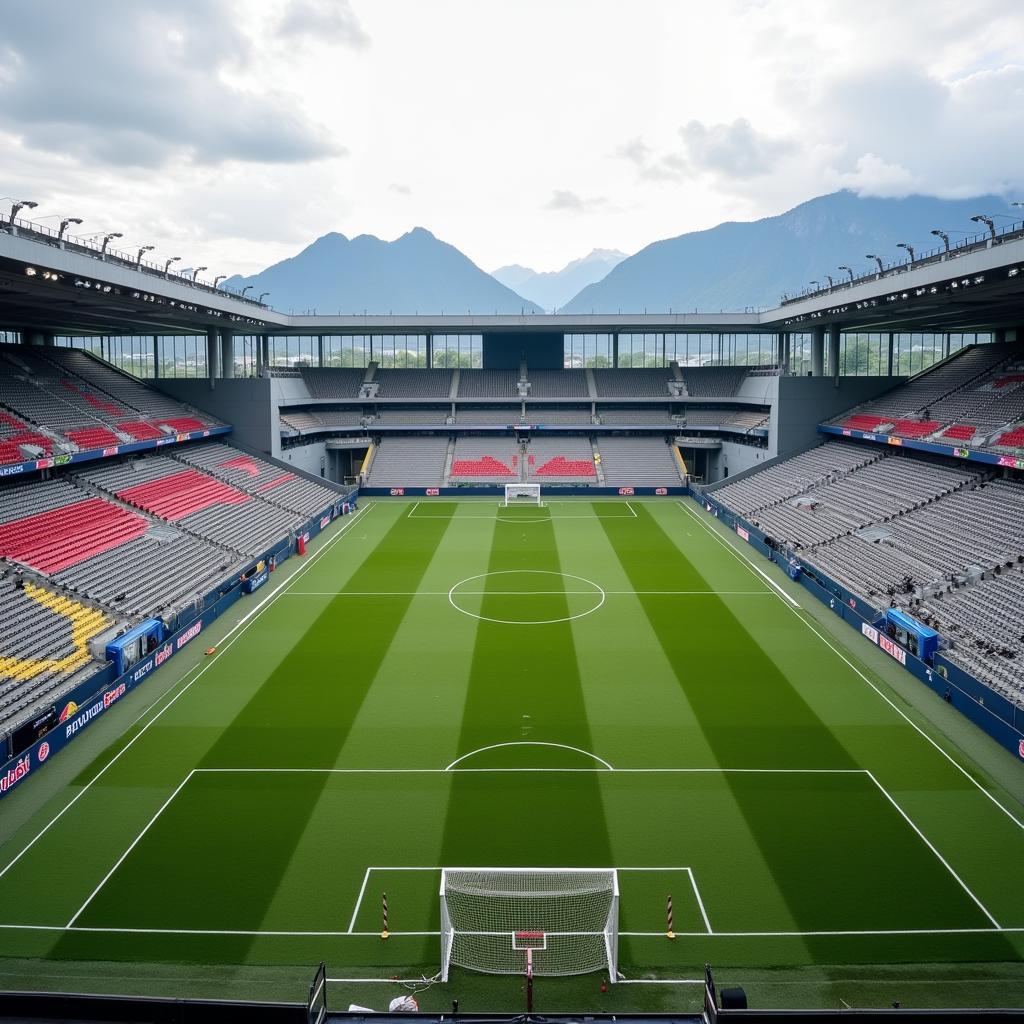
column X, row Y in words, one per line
column 543, row 921
column 522, row 494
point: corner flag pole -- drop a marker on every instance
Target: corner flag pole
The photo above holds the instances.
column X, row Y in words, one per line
column 384, row 933
column 668, row 912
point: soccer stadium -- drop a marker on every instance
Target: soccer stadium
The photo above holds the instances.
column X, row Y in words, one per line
column 493, row 661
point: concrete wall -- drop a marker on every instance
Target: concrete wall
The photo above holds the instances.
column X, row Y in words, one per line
column 244, row 402
column 804, row 402
column 309, row 457
column 736, row 458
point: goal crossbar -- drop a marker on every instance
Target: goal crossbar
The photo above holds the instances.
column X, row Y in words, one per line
column 522, row 494
column 562, row 920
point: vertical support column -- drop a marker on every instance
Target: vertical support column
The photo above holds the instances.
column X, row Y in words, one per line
column 998, row 336
column 834, row 336
column 780, row 348
column 430, row 351
column 265, row 351
column 817, row 351
column 787, row 341
column 212, row 354
column 892, row 352
column 227, row 353
column 615, row 349
column 156, row 357
column 945, row 345
column 320, row 350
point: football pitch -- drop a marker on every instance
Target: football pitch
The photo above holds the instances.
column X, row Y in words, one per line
column 607, row 684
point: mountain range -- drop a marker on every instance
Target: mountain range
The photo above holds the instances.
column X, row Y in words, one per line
column 733, row 266
column 415, row 273
column 552, row 289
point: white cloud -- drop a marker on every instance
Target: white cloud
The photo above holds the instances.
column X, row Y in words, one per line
column 567, row 201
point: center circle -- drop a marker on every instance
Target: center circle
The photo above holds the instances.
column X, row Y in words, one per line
column 526, row 597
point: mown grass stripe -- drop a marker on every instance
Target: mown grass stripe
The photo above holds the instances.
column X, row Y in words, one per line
column 300, row 716
column 525, row 686
column 752, row 716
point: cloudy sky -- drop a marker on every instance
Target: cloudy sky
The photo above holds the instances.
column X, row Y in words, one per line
column 233, row 132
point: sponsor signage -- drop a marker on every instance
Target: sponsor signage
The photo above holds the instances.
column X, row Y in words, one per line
column 661, row 490
column 44, row 463
column 1009, row 460
column 894, row 440
column 12, row 470
column 847, row 433
column 397, row 492
column 325, row 521
column 961, row 453
column 256, row 581
column 743, row 533
column 16, row 772
column 61, row 460
column 433, row 492
column 627, row 492
column 190, row 634
column 1020, row 748
column 108, row 452
column 893, row 650
column 870, row 632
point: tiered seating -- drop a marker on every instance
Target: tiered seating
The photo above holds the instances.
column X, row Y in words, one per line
column 651, row 416
column 333, row 383
column 561, row 459
column 713, row 381
column 866, row 421
column 323, row 419
column 795, row 476
column 915, row 428
column 558, row 384
column 409, row 462
column 390, row 417
column 959, row 432
column 93, row 437
column 139, row 430
column 413, row 383
column 183, row 424
column 639, row 383
column 558, row 415
column 485, row 460
column 638, row 462
column 124, row 389
column 488, row 384
column 197, row 503
column 1011, row 438
column 52, row 527
column 13, row 434
column 500, row 416
column 254, row 475
column 739, row 419
column 44, row 640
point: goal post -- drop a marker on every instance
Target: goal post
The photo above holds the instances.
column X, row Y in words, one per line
column 522, row 494
column 557, row 921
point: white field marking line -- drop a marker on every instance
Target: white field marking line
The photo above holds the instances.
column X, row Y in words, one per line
column 828, row 643
column 242, row 624
column 945, row 863
column 700, row 902
column 431, row 867
column 134, row 843
column 359, row 900
column 413, row 510
column 738, row 554
column 659, row 981
column 618, row 771
column 90, row 929
column 631, row 509
column 529, row 593
column 529, row 743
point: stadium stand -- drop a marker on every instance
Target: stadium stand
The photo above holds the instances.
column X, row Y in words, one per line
column 567, row 460
column 424, row 384
column 198, row 503
column 558, row 415
column 14, row 434
column 258, row 477
column 409, row 462
column 333, row 383
column 558, row 384
column 649, row 416
column 488, row 384
column 939, row 537
column 485, row 460
column 713, row 381
column 500, row 417
column 632, row 383
column 44, row 645
column 324, row 419
column 638, row 462
column 389, row 417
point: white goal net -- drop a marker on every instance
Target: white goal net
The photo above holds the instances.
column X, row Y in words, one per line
column 567, row 917
column 522, row 494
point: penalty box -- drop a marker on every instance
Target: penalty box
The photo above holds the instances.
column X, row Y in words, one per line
column 309, row 851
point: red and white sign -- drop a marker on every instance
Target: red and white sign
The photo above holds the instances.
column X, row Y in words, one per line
column 661, row 490
column 107, row 452
column 870, row 632
column 397, row 492
column 433, row 492
column 626, row 491
column 1020, row 748
column 743, row 533
column 893, row 650
column 325, row 521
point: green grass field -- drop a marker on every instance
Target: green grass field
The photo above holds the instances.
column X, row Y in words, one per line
column 606, row 684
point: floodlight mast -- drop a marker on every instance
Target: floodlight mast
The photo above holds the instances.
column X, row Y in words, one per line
column 908, row 247
column 878, row 260
column 106, row 242
column 981, row 218
column 943, row 235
